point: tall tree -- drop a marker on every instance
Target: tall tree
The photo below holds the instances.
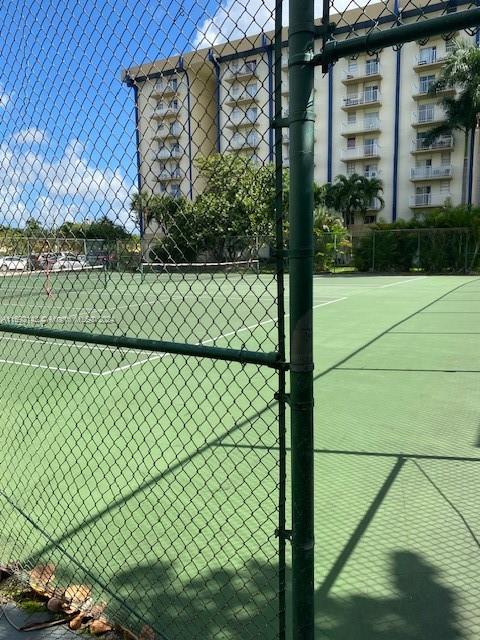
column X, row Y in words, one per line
column 461, row 71
column 351, row 194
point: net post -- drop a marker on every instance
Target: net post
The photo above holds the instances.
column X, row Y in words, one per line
column 301, row 129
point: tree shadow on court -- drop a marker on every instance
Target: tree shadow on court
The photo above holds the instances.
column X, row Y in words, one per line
column 242, row 605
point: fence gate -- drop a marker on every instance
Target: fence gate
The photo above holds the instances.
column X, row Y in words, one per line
column 149, row 156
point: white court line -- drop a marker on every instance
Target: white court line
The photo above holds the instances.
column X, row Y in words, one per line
column 209, row 340
column 393, row 284
column 91, row 347
column 46, row 366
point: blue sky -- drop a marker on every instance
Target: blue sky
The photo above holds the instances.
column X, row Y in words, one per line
column 66, row 121
column 67, row 138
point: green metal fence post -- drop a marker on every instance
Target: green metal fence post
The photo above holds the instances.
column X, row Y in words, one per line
column 301, row 124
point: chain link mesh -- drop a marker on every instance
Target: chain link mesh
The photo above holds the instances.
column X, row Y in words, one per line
column 139, row 199
column 144, row 159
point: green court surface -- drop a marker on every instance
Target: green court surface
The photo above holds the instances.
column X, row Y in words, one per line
column 154, row 478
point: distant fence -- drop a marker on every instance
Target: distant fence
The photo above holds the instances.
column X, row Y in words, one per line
column 446, row 250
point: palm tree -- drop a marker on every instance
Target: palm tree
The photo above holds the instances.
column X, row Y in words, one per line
column 461, row 71
column 350, row 194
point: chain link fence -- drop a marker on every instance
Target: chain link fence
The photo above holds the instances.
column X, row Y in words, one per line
column 142, row 344
column 146, row 176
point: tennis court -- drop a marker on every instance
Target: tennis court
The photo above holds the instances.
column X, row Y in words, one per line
column 156, row 481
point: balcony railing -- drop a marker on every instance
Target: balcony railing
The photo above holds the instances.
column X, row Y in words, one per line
column 363, row 71
column 161, row 112
column 166, row 132
column 367, row 97
column 244, row 119
column 422, row 60
column 166, row 154
column 363, row 151
column 166, row 87
column 444, row 142
column 374, row 173
column 374, row 205
column 169, row 175
column 362, row 125
column 428, row 173
column 428, row 199
column 249, row 94
column 242, row 70
column 427, row 117
column 248, row 142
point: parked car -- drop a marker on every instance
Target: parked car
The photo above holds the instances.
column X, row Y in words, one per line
column 13, row 263
column 68, row 263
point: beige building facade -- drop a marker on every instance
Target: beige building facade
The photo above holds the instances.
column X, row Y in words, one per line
column 372, row 114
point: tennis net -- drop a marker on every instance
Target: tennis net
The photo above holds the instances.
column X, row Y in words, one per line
column 49, row 283
column 196, row 270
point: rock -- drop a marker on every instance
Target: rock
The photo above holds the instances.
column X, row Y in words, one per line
column 55, row 605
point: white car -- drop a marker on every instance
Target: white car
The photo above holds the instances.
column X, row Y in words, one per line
column 13, row 263
column 68, row 264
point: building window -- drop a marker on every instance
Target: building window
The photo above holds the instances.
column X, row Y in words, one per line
column 450, row 46
column 370, row 171
column 371, row 67
column 426, row 83
column 446, row 158
column 252, row 114
column 370, row 219
column 427, row 55
column 426, row 112
column 351, row 143
column 352, row 117
column 444, row 187
column 371, row 93
column 251, row 65
column 370, row 119
column 252, row 89
column 370, row 146
column 352, row 68
column 350, row 168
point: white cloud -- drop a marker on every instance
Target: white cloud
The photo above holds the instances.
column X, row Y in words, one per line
column 4, row 98
column 239, row 18
column 54, row 191
column 30, row 136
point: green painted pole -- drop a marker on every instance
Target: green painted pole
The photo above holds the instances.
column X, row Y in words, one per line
column 301, row 125
column 146, row 344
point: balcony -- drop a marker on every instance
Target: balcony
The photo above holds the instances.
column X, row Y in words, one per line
column 363, row 72
column 374, row 173
column 250, row 142
column 361, row 152
column 243, row 96
column 168, row 132
column 367, row 98
column 431, row 173
column 164, row 112
column 286, row 162
column 361, row 126
column 374, row 205
column 166, row 175
column 243, row 71
column 422, row 200
column 285, row 62
column 421, row 118
column 422, row 90
column 431, row 61
column 440, row 144
column 244, row 120
column 166, row 154
column 165, row 88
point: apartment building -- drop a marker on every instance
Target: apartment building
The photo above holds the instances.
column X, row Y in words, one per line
column 372, row 114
